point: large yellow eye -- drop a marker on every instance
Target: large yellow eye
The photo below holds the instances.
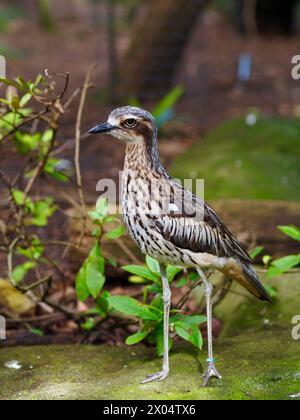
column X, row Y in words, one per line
column 130, row 123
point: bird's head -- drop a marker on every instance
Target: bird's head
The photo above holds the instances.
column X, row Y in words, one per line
column 130, row 124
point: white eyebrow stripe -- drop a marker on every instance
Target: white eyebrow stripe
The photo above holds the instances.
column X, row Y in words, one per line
column 116, row 122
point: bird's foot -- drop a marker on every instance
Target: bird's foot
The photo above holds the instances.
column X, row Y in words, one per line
column 159, row 376
column 211, row 372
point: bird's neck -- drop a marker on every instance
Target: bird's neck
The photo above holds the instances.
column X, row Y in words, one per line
column 143, row 156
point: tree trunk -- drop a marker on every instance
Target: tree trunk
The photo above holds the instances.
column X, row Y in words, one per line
column 266, row 16
column 157, row 46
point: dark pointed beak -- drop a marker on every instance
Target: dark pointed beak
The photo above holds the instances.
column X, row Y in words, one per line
column 102, row 128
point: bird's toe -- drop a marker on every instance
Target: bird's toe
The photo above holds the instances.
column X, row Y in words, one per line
column 211, row 372
column 159, row 376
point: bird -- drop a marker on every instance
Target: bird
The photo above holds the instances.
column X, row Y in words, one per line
column 172, row 224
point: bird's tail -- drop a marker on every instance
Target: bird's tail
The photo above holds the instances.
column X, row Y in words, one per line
column 245, row 275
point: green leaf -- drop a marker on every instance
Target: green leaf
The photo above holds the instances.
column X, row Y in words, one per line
column 157, row 302
column 95, row 279
column 286, row 263
column 193, row 276
column 25, row 99
column 13, row 83
column 26, row 142
column 130, row 306
column 137, row 280
column 191, row 334
column 274, row 272
column 36, row 331
column 116, row 233
column 136, row 338
column 42, row 211
column 282, row 265
column 196, row 337
column 22, row 270
column 142, row 271
column 267, row 259
column 102, row 207
column 102, row 304
column 152, row 288
column 168, row 102
column 94, row 215
column 189, row 320
column 82, row 290
column 273, row 292
column 172, row 272
column 292, row 231
column 19, row 198
column 34, row 252
column 182, row 332
column 256, row 252
column 89, row 324
column 182, row 282
column 48, row 136
column 94, row 271
column 153, row 265
column 50, row 169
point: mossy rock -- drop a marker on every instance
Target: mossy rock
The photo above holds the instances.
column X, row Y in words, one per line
column 247, row 162
column 262, row 365
column 240, row 311
column 256, row 362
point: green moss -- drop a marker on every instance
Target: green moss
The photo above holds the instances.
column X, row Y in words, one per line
column 262, row 365
column 258, row 360
column 239, row 161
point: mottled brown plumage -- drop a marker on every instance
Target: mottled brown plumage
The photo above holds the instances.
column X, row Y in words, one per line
column 168, row 222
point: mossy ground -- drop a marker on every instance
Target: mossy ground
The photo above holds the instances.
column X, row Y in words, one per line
column 258, row 360
column 262, row 365
column 247, row 162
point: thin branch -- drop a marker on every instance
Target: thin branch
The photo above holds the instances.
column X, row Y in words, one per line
column 86, row 87
column 10, row 259
column 37, row 283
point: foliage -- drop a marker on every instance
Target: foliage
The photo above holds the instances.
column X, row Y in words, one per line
column 150, row 311
column 91, row 278
column 30, row 113
column 282, row 265
column 21, row 238
column 277, row 267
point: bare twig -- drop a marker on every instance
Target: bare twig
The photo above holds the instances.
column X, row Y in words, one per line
column 86, row 87
column 10, row 258
column 37, row 283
